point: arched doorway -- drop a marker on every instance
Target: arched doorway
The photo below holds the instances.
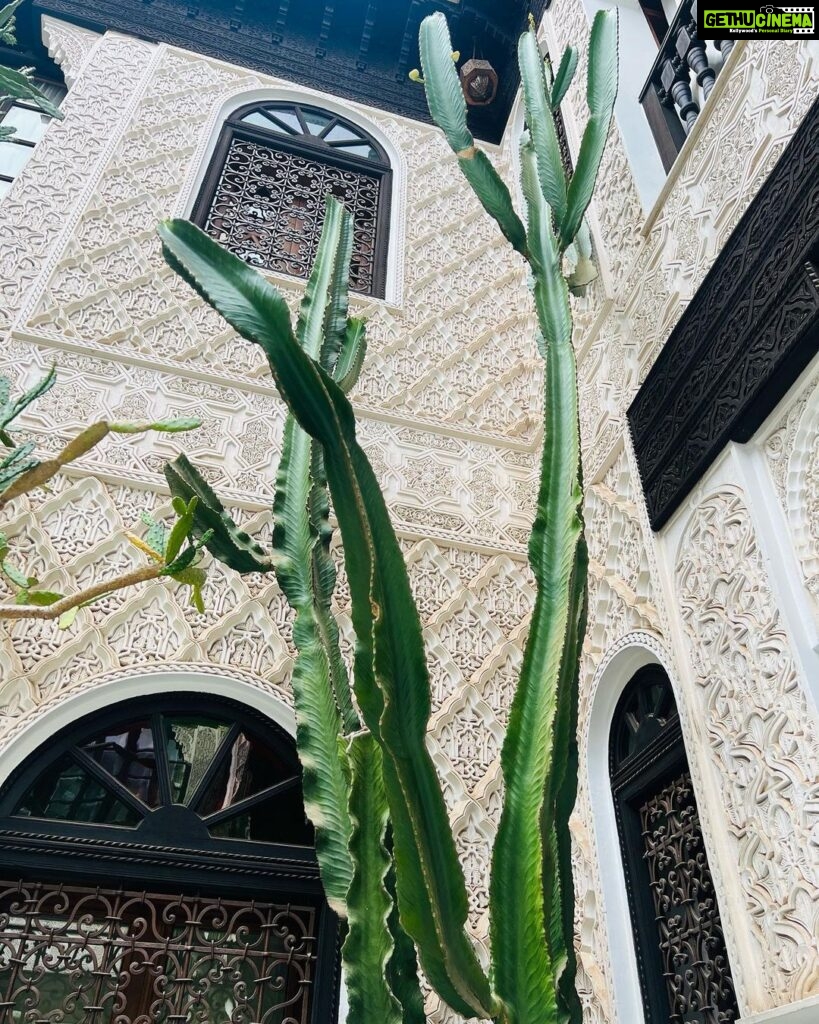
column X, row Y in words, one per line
column 156, row 866
column 685, row 975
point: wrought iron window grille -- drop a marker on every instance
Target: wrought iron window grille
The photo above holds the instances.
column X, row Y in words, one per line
column 264, row 193
column 157, row 866
column 685, row 975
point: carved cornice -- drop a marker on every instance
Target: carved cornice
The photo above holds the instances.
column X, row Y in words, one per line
column 68, row 45
column 359, row 51
column 749, row 331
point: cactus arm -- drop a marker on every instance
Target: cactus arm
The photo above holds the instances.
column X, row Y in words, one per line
column 561, row 793
column 563, row 77
column 448, row 108
column 495, row 197
column 322, row 321
column 541, row 123
column 402, row 967
column 323, row 585
column 228, row 543
column 351, row 357
column 318, row 721
column 392, row 684
column 445, row 96
column 523, row 970
column 601, row 94
column 369, row 945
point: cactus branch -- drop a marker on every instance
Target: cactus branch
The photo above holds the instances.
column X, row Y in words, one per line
column 83, row 597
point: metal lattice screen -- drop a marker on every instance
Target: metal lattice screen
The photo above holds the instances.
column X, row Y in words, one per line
column 692, row 944
column 268, row 209
column 94, row 956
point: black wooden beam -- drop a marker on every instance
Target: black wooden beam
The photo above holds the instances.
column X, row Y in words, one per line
column 744, row 338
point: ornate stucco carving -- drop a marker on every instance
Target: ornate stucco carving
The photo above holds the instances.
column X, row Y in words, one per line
column 792, row 453
column 69, row 45
column 762, row 735
column 43, row 202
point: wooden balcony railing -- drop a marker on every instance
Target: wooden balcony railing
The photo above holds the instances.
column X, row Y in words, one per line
column 680, row 81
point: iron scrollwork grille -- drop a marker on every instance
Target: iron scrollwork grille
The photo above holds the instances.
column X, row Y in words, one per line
column 264, row 195
column 685, row 974
column 91, row 956
column 158, row 867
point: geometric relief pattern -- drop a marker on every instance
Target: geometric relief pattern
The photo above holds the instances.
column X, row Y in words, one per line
column 792, row 453
column 763, row 737
column 460, row 350
column 62, row 165
column 460, row 489
column 475, row 610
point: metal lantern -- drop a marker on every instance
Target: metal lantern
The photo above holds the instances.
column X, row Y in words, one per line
column 480, row 82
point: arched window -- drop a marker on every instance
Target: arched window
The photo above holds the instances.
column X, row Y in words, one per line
column 264, row 193
column 684, row 971
column 157, row 865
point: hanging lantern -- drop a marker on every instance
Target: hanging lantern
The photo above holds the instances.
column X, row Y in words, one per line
column 480, row 82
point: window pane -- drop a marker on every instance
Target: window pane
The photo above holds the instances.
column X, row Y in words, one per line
column 13, row 158
column 279, row 819
column 258, row 118
column 191, row 744
column 69, row 793
column 4, row 187
column 362, row 149
column 338, row 133
column 127, row 752
column 288, row 117
column 316, row 122
column 30, row 124
column 249, row 768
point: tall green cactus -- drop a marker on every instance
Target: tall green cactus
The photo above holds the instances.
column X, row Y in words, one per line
column 375, row 798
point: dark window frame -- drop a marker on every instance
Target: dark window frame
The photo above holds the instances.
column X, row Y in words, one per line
column 10, row 104
column 310, row 147
column 169, row 855
column 644, row 773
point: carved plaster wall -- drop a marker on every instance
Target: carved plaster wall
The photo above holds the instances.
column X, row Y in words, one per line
column 762, row 733
column 792, row 453
column 449, row 404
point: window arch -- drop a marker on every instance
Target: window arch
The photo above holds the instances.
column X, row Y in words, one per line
column 683, row 963
column 264, row 191
column 156, row 864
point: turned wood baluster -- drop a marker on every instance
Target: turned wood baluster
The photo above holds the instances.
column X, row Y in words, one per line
column 676, row 80
column 724, row 46
column 692, row 51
